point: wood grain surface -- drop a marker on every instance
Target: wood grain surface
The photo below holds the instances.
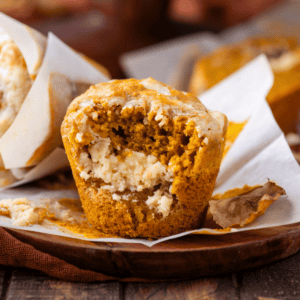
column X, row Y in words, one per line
column 221, row 287
column 189, row 257
column 280, row 280
column 276, row 281
column 28, row 284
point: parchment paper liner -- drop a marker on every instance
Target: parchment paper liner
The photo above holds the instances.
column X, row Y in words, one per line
column 259, row 153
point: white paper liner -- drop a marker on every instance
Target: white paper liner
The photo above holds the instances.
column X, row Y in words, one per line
column 57, row 160
column 38, row 123
column 251, row 107
column 253, row 163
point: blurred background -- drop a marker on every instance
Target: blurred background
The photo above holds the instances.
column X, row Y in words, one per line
column 104, row 29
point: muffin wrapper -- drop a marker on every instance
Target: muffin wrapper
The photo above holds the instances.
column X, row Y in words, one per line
column 259, row 153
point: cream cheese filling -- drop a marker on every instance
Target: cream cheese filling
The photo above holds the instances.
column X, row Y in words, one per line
column 161, row 201
column 136, row 172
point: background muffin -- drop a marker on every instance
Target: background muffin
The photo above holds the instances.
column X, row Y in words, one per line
column 284, row 57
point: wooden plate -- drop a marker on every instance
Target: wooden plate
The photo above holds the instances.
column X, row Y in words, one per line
column 188, row 257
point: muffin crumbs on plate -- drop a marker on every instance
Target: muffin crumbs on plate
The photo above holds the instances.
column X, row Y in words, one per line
column 65, row 214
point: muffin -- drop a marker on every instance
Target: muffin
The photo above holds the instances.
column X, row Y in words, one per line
column 284, row 56
column 144, row 157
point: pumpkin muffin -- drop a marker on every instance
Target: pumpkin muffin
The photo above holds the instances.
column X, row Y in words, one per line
column 144, row 157
column 284, row 56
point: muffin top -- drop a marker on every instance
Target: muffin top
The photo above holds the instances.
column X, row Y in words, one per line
column 157, row 100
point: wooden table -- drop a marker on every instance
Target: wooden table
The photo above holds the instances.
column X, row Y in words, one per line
column 280, row 280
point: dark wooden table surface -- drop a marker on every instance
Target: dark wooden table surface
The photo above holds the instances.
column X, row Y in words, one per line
column 279, row 280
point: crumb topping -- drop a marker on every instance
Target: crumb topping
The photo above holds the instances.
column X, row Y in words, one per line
column 156, row 86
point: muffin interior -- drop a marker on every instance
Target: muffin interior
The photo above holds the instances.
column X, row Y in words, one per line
column 135, row 154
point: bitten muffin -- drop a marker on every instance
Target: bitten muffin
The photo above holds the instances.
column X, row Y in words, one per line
column 144, row 156
column 284, row 56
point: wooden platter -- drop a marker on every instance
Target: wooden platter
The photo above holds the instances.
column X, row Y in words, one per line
column 185, row 258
